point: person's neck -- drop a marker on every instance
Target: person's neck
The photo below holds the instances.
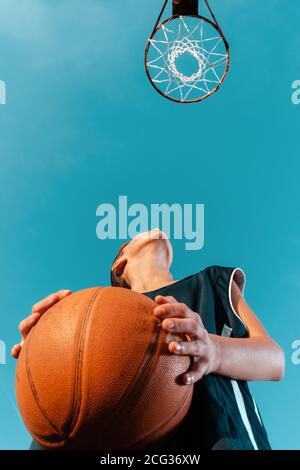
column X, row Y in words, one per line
column 150, row 280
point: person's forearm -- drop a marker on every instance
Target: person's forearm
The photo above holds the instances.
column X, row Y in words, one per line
column 248, row 358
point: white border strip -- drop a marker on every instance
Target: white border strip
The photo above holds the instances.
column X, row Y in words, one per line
column 255, row 407
column 241, row 405
column 229, row 292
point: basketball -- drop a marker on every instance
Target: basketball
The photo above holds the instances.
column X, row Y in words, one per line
column 95, row 373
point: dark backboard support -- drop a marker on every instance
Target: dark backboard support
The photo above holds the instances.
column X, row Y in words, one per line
column 185, row 7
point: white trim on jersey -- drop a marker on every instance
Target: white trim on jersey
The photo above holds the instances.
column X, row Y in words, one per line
column 242, row 287
column 236, row 389
column 242, row 409
column 255, row 407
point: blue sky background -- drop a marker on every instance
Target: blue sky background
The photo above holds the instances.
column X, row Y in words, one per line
column 82, row 125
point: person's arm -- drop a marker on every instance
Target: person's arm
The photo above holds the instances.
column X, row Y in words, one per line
column 257, row 357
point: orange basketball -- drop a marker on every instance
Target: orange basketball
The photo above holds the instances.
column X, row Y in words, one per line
column 96, row 373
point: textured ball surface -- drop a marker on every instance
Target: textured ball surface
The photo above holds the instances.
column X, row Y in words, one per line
column 96, row 373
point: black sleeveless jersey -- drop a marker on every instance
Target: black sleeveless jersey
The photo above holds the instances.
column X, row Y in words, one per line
column 223, row 413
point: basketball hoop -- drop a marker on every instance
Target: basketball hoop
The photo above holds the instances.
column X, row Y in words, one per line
column 187, row 55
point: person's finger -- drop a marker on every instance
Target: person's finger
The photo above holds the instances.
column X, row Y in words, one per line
column 178, row 310
column 165, row 299
column 63, row 293
column 42, row 306
column 188, row 348
column 174, row 309
column 45, row 304
column 196, row 372
column 15, row 350
column 26, row 324
column 187, row 326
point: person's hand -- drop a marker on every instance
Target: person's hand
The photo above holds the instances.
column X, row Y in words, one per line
column 179, row 318
column 37, row 311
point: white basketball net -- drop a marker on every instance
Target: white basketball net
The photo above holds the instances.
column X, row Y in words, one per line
column 193, row 38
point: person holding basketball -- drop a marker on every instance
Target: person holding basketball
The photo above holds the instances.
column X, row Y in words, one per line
column 226, row 341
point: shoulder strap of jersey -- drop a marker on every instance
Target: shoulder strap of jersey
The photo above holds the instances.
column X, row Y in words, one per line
column 221, row 279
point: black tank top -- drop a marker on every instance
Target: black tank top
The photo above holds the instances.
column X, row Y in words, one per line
column 223, row 413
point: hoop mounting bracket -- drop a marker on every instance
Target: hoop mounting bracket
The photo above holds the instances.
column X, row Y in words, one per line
column 185, row 7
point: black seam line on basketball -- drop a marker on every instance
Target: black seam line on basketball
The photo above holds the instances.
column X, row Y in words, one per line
column 140, row 378
column 186, row 398
column 34, row 392
column 50, row 440
column 75, row 409
column 156, row 430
